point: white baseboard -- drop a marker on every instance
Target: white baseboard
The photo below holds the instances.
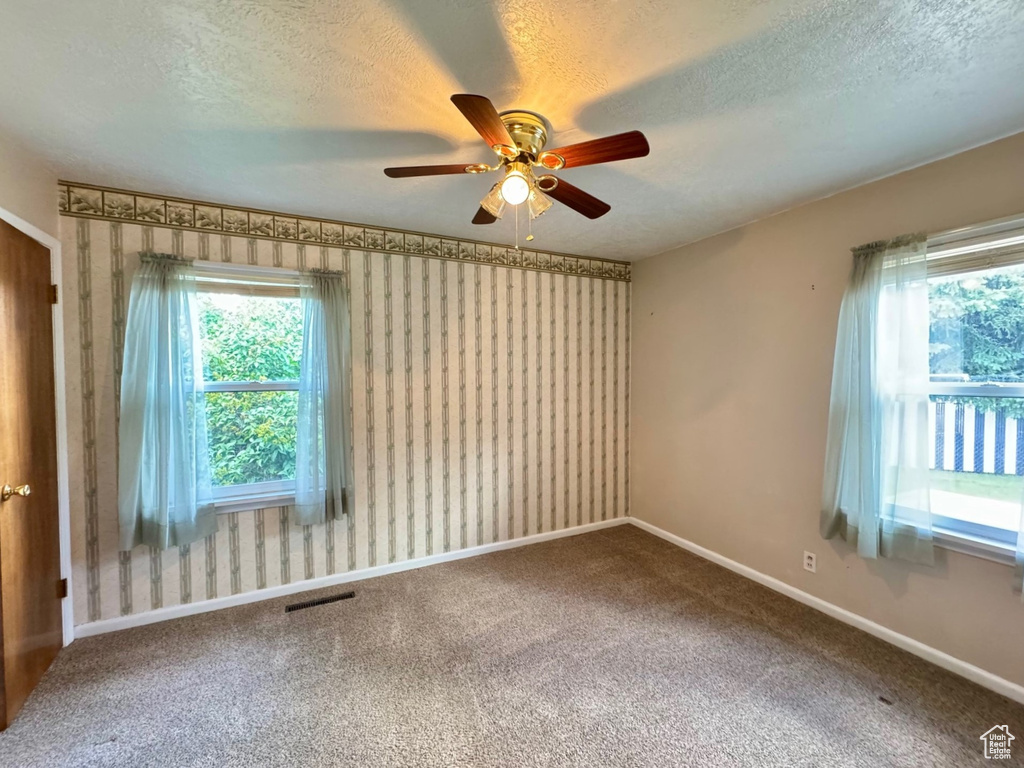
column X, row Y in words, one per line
column 190, row 609
column 957, row 666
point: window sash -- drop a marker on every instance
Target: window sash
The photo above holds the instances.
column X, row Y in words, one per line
column 976, row 538
column 267, row 487
column 249, row 280
column 975, row 530
column 239, row 498
column 246, row 280
column 271, row 490
column 285, row 385
column 976, row 389
column 980, row 247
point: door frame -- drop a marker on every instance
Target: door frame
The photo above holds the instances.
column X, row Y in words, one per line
column 60, row 411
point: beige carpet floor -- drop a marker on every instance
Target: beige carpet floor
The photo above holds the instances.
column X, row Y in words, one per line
column 612, row 648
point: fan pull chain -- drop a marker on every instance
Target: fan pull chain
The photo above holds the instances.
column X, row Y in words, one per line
column 517, row 227
column 529, row 227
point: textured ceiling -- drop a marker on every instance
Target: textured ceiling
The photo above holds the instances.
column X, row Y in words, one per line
column 750, row 106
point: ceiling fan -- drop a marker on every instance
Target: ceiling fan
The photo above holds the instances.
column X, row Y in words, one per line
column 518, row 137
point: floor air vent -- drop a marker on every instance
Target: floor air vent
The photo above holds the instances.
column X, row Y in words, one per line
column 319, row 601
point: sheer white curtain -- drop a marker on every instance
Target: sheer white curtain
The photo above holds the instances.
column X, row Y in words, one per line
column 323, row 477
column 164, row 487
column 876, row 493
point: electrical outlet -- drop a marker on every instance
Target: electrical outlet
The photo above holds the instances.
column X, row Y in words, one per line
column 810, row 562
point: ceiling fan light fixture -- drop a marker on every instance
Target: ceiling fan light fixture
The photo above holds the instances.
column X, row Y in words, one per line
column 515, row 187
column 494, row 203
column 537, row 202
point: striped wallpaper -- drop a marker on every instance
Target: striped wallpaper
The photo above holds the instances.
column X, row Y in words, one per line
column 489, row 403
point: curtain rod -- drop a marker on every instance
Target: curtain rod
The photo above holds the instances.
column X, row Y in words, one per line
column 902, row 240
column 222, row 267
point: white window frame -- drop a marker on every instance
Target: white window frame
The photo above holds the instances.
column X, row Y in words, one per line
column 242, row 279
column 955, row 252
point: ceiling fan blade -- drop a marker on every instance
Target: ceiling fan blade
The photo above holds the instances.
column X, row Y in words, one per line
column 485, row 118
column 484, row 216
column 578, row 200
column 425, row 170
column 621, row 146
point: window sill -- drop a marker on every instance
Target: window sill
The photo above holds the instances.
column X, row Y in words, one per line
column 248, row 503
column 974, row 546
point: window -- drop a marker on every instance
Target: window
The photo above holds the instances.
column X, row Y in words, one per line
column 251, row 337
column 976, row 356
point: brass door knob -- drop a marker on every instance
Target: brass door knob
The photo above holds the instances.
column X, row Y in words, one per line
column 7, row 491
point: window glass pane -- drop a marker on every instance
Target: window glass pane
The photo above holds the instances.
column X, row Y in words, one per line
column 250, row 338
column 977, row 443
column 977, row 326
column 252, row 436
column 978, row 459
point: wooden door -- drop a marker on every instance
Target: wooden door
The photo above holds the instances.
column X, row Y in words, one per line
column 30, row 587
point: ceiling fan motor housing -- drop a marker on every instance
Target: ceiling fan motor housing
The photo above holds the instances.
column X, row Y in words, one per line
column 528, row 129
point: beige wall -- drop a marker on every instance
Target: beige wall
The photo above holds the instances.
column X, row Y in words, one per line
column 28, row 188
column 733, row 340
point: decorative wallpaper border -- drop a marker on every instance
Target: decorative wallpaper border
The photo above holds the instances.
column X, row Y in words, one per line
column 95, row 202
